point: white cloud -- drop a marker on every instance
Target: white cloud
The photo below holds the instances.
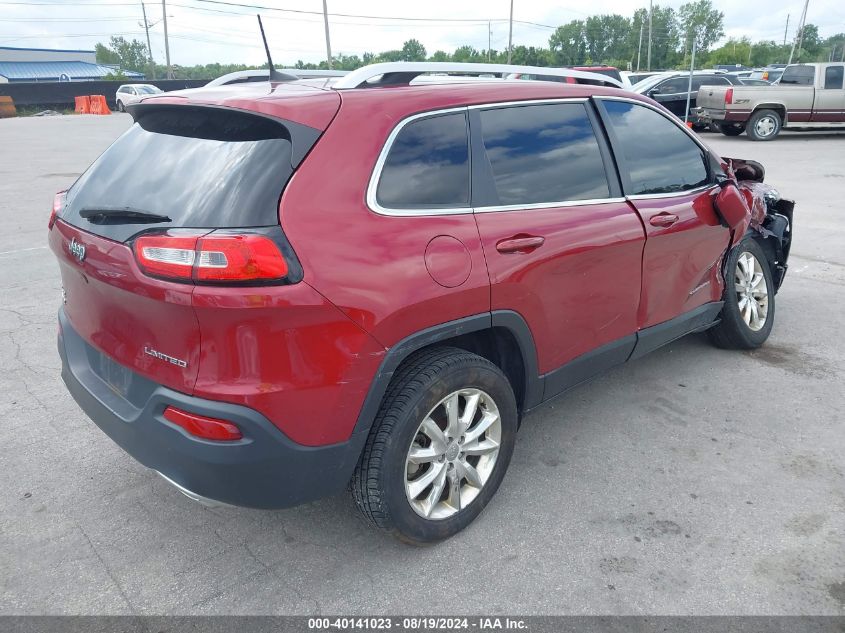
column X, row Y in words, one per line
column 217, row 35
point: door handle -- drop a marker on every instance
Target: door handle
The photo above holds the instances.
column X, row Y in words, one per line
column 520, row 244
column 663, row 219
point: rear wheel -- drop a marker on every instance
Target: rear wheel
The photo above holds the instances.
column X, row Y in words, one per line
column 439, row 447
column 749, row 311
column 120, row 107
column 764, row 125
column 731, row 129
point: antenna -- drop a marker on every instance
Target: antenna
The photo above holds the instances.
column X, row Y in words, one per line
column 275, row 75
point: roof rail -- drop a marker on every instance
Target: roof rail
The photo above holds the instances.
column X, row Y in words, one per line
column 401, row 73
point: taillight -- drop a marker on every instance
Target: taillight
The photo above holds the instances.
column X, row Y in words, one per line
column 729, row 96
column 58, row 204
column 216, row 257
column 239, row 258
column 203, row 426
column 166, row 255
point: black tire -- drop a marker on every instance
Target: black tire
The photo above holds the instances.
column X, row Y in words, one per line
column 733, row 332
column 729, row 129
column 120, row 107
column 423, row 381
column 761, row 122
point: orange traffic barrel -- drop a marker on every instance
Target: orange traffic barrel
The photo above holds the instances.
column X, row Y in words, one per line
column 83, row 104
column 7, row 108
column 99, row 105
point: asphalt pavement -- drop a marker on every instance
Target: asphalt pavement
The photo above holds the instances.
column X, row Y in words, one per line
column 692, row 481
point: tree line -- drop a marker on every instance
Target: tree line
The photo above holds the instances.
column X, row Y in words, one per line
column 611, row 39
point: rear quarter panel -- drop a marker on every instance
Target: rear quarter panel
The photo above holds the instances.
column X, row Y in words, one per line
column 373, row 266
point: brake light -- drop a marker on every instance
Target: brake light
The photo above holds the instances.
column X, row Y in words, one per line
column 58, row 205
column 203, row 426
column 239, row 258
column 214, row 257
column 729, row 96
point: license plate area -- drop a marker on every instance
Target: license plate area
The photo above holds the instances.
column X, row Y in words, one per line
column 115, row 375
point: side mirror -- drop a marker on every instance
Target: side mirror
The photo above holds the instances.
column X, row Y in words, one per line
column 731, row 205
column 722, row 179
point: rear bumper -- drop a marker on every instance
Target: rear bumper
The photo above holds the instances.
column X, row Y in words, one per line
column 705, row 116
column 265, row 469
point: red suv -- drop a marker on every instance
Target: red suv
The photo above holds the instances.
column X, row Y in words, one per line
column 273, row 292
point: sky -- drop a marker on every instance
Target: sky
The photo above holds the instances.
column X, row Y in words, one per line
column 202, row 31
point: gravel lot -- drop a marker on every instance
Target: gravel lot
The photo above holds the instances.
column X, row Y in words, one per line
column 693, row 481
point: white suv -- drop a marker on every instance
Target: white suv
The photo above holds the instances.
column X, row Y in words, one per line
column 132, row 93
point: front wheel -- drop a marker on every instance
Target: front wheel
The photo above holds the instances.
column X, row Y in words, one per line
column 439, row 447
column 120, row 107
column 749, row 311
column 764, row 125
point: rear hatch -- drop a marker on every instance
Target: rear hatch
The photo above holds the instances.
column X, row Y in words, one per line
column 129, row 232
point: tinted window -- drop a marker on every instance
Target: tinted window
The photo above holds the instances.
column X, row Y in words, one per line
column 660, row 156
column 833, row 77
column 428, row 165
column 200, row 169
column 543, row 153
column 801, row 75
column 697, row 82
column 673, row 86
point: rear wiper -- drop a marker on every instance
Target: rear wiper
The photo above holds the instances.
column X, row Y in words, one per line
column 121, row 216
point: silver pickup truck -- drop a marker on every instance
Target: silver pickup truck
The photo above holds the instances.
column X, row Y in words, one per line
column 808, row 96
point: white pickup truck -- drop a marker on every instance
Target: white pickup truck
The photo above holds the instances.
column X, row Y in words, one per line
column 808, row 96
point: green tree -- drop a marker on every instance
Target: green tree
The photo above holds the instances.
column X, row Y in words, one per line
column 607, row 37
column 701, row 23
column 120, row 52
column 568, row 45
column 440, row 56
column 811, row 44
column 413, row 51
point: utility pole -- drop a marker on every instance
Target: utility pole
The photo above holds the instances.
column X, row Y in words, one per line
column 689, row 83
column 650, row 11
column 328, row 42
column 786, row 30
column 147, row 26
column 510, row 34
column 489, row 38
column 640, row 47
column 166, row 42
column 800, row 35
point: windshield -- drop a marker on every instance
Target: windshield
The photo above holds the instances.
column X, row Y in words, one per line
column 147, row 90
column 649, row 82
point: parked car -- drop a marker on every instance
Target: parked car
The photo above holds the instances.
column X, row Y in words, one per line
column 808, row 96
column 635, row 77
column 128, row 94
column 670, row 89
column 386, row 318
column 753, row 82
column 769, row 74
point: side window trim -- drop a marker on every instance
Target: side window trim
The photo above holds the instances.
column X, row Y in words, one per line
column 481, row 175
column 620, row 157
column 372, row 186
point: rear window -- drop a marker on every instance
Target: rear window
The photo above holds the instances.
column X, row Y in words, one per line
column 800, row 75
column 833, row 77
column 428, row 165
column 200, row 167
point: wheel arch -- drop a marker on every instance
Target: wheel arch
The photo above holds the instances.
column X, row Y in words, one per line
column 780, row 108
column 501, row 336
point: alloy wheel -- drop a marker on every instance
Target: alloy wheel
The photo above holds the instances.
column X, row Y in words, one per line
column 453, row 454
column 765, row 127
column 752, row 292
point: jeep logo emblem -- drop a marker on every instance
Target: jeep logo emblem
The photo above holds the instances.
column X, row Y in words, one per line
column 77, row 249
